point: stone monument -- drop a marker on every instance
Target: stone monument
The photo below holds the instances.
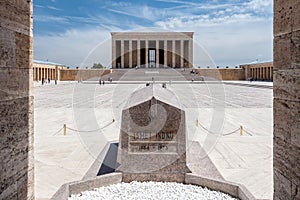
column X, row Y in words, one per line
column 153, row 137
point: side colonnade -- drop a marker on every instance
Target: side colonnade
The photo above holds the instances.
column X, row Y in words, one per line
column 46, row 71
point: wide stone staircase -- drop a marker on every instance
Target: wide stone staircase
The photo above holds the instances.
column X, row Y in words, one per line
column 150, row 74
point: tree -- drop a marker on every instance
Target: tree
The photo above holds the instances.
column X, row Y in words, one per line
column 97, row 66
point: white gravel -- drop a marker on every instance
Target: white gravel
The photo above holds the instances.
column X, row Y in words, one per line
column 151, row 190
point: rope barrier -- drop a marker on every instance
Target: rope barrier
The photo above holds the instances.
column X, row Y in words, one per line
column 248, row 132
column 58, row 131
column 230, row 133
column 225, row 134
column 72, row 129
column 92, row 130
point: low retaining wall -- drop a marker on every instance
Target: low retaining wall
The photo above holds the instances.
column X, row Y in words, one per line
column 77, row 187
column 81, row 74
column 233, row 189
column 223, row 74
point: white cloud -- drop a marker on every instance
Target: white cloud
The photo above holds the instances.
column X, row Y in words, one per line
column 49, row 18
column 53, row 8
column 74, row 47
column 260, row 5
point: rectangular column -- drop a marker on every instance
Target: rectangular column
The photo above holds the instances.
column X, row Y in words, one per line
column 165, row 53
column 39, row 74
column 130, row 53
column 260, row 73
column 271, row 73
column 113, row 57
column 181, row 54
column 122, row 53
column 139, row 53
column 16, row 102
column 173, row 53
column 147, row 53
column 190, row 53
column 157, row 54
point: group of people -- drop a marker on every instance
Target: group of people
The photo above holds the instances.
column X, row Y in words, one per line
column 102, row 82
column 45, row 81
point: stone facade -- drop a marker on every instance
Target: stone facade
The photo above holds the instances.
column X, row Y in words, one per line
column 152, row 49
column 16, row 100
column 81, row 74
column 46, row 70
column 223, row 74
column 286, row 149
column 259, row 71
column 153, row 137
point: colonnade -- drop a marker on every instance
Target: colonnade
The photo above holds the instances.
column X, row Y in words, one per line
column 262, row 73
column 152, row 49
column 46, row 72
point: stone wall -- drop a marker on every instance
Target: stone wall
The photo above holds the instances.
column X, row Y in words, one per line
column 16, row 100
column 259, row 71
column 81, row 74
column 286, row 143
column 223, row 74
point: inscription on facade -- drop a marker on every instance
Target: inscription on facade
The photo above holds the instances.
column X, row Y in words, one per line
column 151, row 142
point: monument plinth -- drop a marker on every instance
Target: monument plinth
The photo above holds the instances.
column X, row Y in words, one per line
column 153, row 137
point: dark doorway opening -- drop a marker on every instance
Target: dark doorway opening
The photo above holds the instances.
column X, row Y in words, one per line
column 152, row 58
column 143, row 53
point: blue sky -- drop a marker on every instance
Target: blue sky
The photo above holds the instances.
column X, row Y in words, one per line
column 227, row 32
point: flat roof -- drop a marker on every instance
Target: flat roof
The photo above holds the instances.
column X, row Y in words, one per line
column 150, row 34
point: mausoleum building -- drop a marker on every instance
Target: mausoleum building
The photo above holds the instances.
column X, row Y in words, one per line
column 152, row 49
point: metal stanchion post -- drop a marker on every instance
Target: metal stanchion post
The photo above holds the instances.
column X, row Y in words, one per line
column 65, row 129
column 241, row 130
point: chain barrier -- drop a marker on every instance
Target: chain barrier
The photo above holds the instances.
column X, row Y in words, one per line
column 247, row 132
column 72, row 129
column 226, row 134
column 58, row 131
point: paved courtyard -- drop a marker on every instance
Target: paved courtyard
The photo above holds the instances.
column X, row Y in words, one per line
column 215, row 113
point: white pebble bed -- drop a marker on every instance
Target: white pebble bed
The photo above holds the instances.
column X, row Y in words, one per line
column 151, row 190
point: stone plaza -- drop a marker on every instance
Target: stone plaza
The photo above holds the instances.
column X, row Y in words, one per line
column 245, row 159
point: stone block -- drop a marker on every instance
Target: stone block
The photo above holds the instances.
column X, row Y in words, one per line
column 282, row 186
column 294, row 161
column 295, row 191
column 296, row 16
column 15, row 83
column 282, row 52
column 16, row 15
column 287, row 51
column 281, row 158
column 295, row 123
column 287, row 84
column 283, row 13
column 295, row 51
column 282, row 119
column 16, row 168
column 7, row 48
column 24, row 55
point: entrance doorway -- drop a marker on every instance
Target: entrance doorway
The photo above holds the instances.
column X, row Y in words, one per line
column 152, row 58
